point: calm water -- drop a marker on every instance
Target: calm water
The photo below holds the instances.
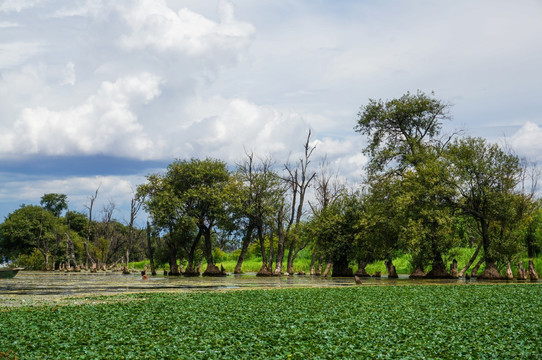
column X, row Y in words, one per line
column 35, row 287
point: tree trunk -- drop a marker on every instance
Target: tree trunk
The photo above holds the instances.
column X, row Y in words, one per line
column 473, row 257
column 476, row 267
column 361, row 268
column 509, row 274
column 190, row 269
column 390, row 268
column 327, row 269
column 490, row 262
column 280, row 248
column 264, row 270
column 418, row 273
column 522, row 274
column 173, row 269
column 290, row 262
column 490, row 272
column 453, row 269
column 212, row 269
column 271, row 252
column 313, row 261
column 150, row 249
column 46, row 255
column 72, row 254
column 438, row 268
column 244, row 248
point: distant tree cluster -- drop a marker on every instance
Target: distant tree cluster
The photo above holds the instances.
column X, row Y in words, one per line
column 424, row 195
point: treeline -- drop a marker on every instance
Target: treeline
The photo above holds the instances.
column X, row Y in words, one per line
column 425, row 194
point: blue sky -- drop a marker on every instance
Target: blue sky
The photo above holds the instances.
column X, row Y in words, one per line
column 101, row 93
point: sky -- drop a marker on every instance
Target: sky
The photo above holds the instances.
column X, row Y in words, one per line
column 99, row 94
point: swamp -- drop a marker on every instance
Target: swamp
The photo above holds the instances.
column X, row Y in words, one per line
column 46, row 315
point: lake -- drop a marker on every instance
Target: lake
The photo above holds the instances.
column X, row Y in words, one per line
column 37, row 287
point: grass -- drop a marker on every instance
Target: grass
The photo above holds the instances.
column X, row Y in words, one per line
column 407, row 322
column 402, row 264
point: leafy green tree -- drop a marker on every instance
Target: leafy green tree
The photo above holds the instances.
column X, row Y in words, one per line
column 27, row 228
column 168, row 214
column 378, row 231
column 188, row 202
column 334, row 228
column 405, row 149
column 55, row 203
column 427, row 221
column 400, row 130
column 486, row 179
column 204, row 188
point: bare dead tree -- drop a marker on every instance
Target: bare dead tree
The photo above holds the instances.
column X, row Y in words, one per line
column 135, row 206
column 299, row 178
column 92, row 198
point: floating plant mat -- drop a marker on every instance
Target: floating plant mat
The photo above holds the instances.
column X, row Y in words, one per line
column 355, row 322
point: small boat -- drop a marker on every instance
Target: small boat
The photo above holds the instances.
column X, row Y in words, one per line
column 8, row 273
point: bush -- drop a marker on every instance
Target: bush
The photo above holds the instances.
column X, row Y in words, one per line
column 33, row 261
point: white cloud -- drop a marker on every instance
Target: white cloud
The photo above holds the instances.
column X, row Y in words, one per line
column 527, row 141
column 224, row 127
column 18, row 5
column 154, row 25
column 104, row 123
column 16, row 53
column 68, row 74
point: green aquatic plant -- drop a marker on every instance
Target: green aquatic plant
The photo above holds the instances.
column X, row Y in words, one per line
column 407, row 322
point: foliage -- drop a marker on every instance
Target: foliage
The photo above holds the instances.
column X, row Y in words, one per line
column 398, row 130
column 32, row 261
column 407, row 322
column 486, row 178
column 55, row 203
column 26, row 229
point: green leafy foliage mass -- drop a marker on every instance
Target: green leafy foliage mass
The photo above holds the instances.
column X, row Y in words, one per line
column 407, row 322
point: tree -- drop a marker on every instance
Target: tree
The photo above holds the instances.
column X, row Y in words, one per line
column 486, row 178
column 135, row 206
column 27, row 228
column 328, row 189
column 168, row 214
column 404, row 147
column 426, row 214
column 55, row 203
column 259, row 197
column 89, row 231
column 399, row 130
column 203, row 187
column 187, row 202
column 333, row 229
column 299, row 179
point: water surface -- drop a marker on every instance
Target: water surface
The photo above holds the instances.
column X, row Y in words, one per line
column 34, row 286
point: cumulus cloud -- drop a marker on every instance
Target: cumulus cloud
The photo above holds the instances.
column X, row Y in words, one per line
column 527, row 141
column 104, row 123
column 223, row 127
column 154, row 25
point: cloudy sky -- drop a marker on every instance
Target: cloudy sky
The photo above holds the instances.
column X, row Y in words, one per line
column 101, row 93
